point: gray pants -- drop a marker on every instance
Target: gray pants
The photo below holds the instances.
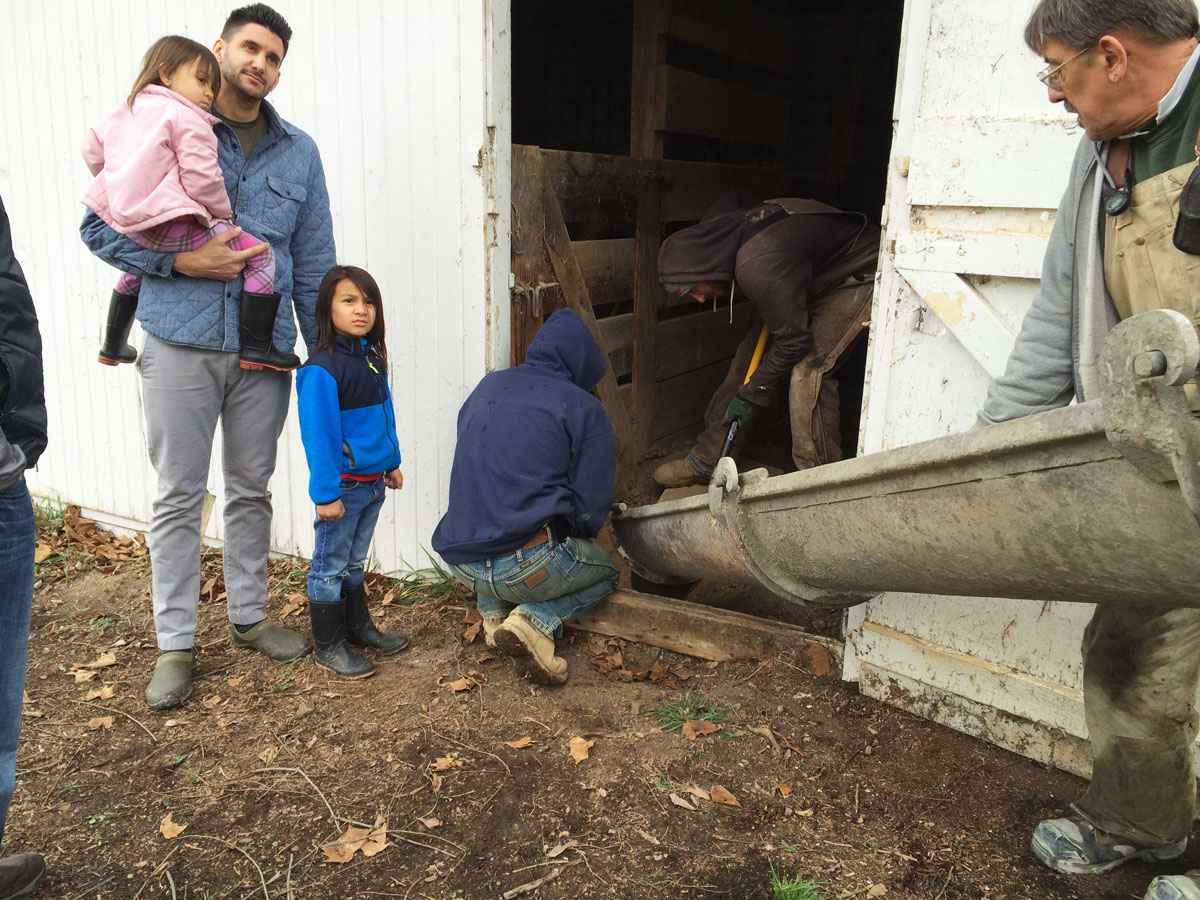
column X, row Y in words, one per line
column 1140, row 673
column 184, row 392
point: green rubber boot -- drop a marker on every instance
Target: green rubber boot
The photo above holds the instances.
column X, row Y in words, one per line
column 171, row 682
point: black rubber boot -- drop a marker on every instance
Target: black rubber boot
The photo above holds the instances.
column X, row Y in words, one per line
column 329, row 634
column 256, row 322
column 115, row 349
column 361, row 631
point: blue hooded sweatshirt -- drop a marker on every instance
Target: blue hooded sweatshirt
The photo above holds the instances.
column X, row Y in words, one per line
column 533, row 446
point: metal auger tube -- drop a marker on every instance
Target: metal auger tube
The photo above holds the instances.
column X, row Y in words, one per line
column 1089, row 503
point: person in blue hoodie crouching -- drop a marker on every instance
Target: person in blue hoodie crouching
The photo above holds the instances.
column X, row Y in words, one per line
column 531, row 487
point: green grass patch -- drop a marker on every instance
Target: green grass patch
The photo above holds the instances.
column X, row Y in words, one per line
column 431, row 583
column 796, row 888
column 671, row 715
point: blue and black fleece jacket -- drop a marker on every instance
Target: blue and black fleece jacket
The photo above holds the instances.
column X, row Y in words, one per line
column 347, row 422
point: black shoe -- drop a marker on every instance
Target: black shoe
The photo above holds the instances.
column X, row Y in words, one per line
column 20, row 875
column 361, row 631
column 329, row 635
column 115, row 349
column 256, row 324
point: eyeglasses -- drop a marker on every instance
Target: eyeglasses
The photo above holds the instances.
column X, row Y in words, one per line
column 1051, row 76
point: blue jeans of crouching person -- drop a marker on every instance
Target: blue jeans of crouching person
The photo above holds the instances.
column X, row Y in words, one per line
column 17, row 542
column 548, row 584
column 341, row 546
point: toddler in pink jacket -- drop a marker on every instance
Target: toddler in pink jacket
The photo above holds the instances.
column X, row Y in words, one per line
column 158, row 181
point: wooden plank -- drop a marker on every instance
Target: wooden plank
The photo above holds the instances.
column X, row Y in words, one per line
column 607, row 267
column 967, row 314
column 695, row 630
column 618, row 338
column 648, row 96
column 680, row 401
column 707, row 107
column 691, row 187
column 693, row 342
column 530, row 263
column 743, row 31
column 647, row 294
column 575, row 292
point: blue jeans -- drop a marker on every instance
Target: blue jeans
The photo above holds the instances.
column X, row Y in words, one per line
column 17, row 542
column 341, row 546
column 579, row 573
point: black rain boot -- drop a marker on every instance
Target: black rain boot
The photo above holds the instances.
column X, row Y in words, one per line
column 115, row 349
column 329, row 635
column 256, row 323
column 361, row 631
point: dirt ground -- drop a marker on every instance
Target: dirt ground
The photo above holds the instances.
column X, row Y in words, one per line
column 473, row 793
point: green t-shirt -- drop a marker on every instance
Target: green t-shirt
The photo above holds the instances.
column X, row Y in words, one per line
column 1172, row 141
column 248, row 133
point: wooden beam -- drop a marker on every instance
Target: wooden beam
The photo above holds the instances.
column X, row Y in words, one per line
column 681, row 400
column 530, row 264
column 647, row 293
column 708, row 107
column 743, row 31
column 607, row 268
column 647, row 97
column 693, row 342
column 701, row 631
column 618, row 337
column 575, row 292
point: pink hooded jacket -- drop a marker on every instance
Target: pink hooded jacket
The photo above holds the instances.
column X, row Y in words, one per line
column 154, row 163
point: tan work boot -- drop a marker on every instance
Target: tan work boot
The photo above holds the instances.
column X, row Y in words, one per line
column 490, row 624
column 679, row 473
column 534, row 651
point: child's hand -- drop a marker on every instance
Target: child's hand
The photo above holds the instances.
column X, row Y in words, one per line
column 330, row 512
column 394, row 479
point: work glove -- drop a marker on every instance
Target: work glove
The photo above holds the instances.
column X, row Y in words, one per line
column 740, row 411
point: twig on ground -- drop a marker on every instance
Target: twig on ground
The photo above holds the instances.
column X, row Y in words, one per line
column 473, row 750
column 97, row 885
column 219, row 669
column 337, row 823
column 765, row 731
column 288, row 884
column 155, row 872
column 229, row 846
column 949, row 875
column 119, row 712
column 171, row 882
column 532, row 885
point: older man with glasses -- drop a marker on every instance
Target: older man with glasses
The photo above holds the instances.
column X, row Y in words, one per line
column 1128, row 70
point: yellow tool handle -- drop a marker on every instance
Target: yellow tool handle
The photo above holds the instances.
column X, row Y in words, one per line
column 758, row 354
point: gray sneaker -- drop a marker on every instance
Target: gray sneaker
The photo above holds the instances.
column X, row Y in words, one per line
column 1074, row 846
column 1175, row 887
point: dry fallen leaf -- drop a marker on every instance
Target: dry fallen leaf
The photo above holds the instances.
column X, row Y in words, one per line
column 296, row 602
column 462, row 684
column 784, row 789
column 343, row 849
column 169, row 829
column 101, row 722
column 444, row 764
column 234, row 682
column 696, row 792
column 102, row 661
column 437, row 782
column 788, row 743
column 82, row 675
column 473, row 620
column 104, row 692
column 821, row 660
column 43, row 552
column 876, row 890
column 377, row 840
column 804, row 812
column 693, row 727
column 430, row 822
column 520, row 743
column 679, row 801
column 559, row 849
column 722, row 796
column 579, row 749
column 268, row 755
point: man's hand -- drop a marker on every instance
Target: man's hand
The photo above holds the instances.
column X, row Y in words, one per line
column 215, row 260
column 394, row 479
column 740, row 411
column 331, row 512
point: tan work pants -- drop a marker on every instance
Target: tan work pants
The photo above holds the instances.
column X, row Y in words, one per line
column 837, row 320
column 1141, row 667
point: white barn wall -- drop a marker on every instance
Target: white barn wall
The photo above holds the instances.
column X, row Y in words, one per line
column 395, row 93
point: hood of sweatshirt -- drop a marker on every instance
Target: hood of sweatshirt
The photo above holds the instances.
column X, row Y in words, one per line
column 563, row 346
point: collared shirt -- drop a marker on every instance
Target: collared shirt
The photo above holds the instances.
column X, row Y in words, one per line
column 278, row 195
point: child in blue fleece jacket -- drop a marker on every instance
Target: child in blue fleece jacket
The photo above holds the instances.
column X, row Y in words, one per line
column 348, row 428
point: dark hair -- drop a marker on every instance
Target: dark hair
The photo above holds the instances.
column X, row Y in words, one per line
column 362, row 280
column 1080, row 23
column 258, row 14
column 169, row 53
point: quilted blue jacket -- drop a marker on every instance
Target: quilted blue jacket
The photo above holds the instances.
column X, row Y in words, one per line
column 278, row 195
